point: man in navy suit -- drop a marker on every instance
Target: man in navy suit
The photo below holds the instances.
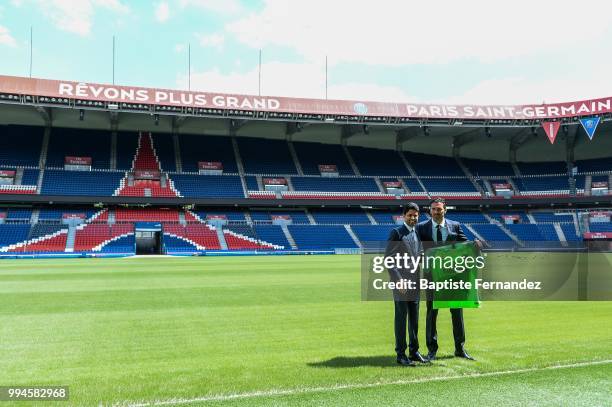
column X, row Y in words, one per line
column 438, row 231
column 404, row 239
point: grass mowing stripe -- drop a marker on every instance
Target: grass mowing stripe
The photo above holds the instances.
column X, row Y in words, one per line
column 284, row 392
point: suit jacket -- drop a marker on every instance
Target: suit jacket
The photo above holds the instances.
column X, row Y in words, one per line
column 455, row 233
column 398, row 242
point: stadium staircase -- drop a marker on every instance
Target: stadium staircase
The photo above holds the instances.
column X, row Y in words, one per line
column 351, row 160
column 146, row 159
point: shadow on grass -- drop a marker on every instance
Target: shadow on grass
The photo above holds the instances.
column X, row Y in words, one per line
column 357, row 361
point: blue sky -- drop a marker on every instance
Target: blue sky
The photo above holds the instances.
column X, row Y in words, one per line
column 443, row 51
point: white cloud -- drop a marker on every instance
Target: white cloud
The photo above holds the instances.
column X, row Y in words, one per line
column 292, row 80
column 217, row 6
column 162, row 12
column 6, row 38
column 212, row 40
column 76, row 16
column 179, row 48
column 400, row 32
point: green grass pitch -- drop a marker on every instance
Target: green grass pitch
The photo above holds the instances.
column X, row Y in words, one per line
column 277, row 330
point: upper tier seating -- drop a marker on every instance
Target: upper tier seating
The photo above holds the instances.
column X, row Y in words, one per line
column 94, row 183
column 594, row 165
column 127, row 143
column 164, row 150
column 434, row 185
column 430, row 165
column 334, row 184
column 20, row 145
column 272, row 234
column 373, row 161
column 212, row 186
column 196, row 148
column 79, row 143
column 315, row 237
column 311, row 155
column 323, row 217
column 488, row 168
column 264, row 156
column 551, row 167
column 297, row 216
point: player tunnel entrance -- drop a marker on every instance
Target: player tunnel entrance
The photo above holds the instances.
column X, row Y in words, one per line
column 149, row 237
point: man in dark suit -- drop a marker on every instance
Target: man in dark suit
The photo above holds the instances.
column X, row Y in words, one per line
column 404, row 239
column 438, row 231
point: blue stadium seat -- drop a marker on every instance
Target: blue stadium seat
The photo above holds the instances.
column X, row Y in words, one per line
column 251, row 183
column 20, row 145
column 272, row 234
column 164, row 149
column 316, row 237
column 174, row 244
column 594, row 165
column 491, row 232
column 13, row 233
column 196, row 148
column 539, row 168
column 430, row 165
column 340, row 184
column 213, row 186
column 265, row 156
column 297, row 216
column 311, row 155
column 80, row 143
column 127, row 143
column 373, row 161
column 448, row 185
column 92, row 183
column 488, row 168
column 125, row 244
column 323, row 217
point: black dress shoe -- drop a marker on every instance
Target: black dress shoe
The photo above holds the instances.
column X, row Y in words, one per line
column 404, row 361
column 431, row 356
column 463, row 354
column 417, row 357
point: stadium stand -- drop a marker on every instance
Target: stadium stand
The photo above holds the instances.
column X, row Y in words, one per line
column 373, row 161
column 315, row 237
column 264, row 156
column 486, row 168
column 79, row 143
column 311, row 155
column 213, row 186
column 340, row 184
column 430, row 165
column 196, row 148
column 20, row 145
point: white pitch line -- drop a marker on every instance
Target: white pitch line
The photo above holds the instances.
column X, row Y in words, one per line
column 285, row 392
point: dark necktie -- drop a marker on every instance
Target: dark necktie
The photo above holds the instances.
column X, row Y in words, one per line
column 439, row 234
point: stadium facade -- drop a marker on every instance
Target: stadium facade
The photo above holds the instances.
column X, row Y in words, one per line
column 91, row 169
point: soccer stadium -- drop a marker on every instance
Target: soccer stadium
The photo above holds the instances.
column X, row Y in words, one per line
column 167, row 244
column 144, row 245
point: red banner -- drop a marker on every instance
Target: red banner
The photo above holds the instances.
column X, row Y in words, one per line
column 280, row 217
column 599, row 184
column 551, row 129
column 511, row 217
column 599, row 213
column 2, row 215
column 501, row 186
column 210, row 217
column 77, row 160
column 74, row 216
column 147, row 174
column 392, row 184
column 139, row 95
column 597, row 235
column 210, row 165
column 7, row 174
column 274, row 181
column 328, row 168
